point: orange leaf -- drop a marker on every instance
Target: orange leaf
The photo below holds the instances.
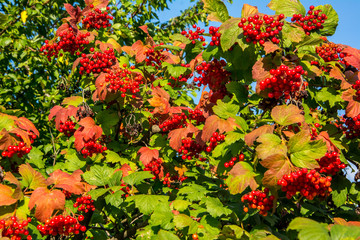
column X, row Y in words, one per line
column 32, row 178
column 248, row 10
column 353, row 56
column 6, row 196
column 125, row 168
column 287, row 115
column 353, row 107
column 6, row 139
column 160, row 101
column 177, row 135
column 253, row 135
column 270, row 47
column 147, row 155
column 101, row 89
column 214, row 123
column 27, row 125
column 88, row 131
column 71, row 183
column 278, row 166
column 139, row 48
column 46, row 202
column 171, row 58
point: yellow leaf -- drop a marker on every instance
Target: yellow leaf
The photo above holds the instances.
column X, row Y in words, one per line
column 24, row 16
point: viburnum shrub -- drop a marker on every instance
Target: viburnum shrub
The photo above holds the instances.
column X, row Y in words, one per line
column 122, row 151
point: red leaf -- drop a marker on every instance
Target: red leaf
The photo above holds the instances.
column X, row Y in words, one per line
column 149, row 39
column 336, row 73
column 270, row 47
column 326, row 138
column 23, row 134
column 46, row 202
column 75, row 13
column 253, row 135
column 139, row 49
column 353, row 56
column 88, row 131
column 6, row 139
column 261, row 70
column 214, row 123
column 64, row 27
column 71, row 183
column 27, row 125
column 62, row 114
column 177, row 135
column 101, row 89
column 353, row 107
column 147, row 154
column 125, row 168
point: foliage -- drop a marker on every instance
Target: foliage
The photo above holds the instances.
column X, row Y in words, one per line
column 101, row 138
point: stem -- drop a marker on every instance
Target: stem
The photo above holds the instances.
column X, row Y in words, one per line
column 54, row 147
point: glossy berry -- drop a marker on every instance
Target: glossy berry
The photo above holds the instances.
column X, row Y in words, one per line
column 84, row 204
column 194, row 35
column 311, row 22
column 14, row 228
column 97, row 19
column 258, row 200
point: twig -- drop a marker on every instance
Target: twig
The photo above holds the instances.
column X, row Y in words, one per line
column 53, row 143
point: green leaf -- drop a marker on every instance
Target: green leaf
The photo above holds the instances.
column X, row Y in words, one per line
column 215, row 207
column 36, row 158
column 230, row 32
column 341, row 232
column 3, row 19
column 181, row 221
column 6, row 122
column 171, row 47
column 113, row 157
column 5, row 41
column 174, row 71
column 96, row 193
column 287, row 115
column 115, row 179
column 217, row 10
column 239, row 91
column 303, row 152
column 328, row 94
column 73, row 162
column 270, row 145
column 98, row 175
column 181, row 205
column 162, row 217
column 233, row 230
column 309, row 43
column 148, row 203
column 331, row 22
column 137, row 177
column 114, row 199
column 107, row 119
column 166, row 235
column 226, row 110
column 180, row 38
column 340, row 188
column 287, row 7
column 240, row 177
column 292, row 34
column 309, row 229
column 194, row 192
column 210, row 52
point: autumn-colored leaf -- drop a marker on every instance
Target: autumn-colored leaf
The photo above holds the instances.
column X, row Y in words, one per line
column 287, row 115
column 71, row 183
column 336, row 73
column 342, row 221
column 115, row 45
column 278, row 165
column 139, row 49
column 64, row 27
column 352, row 56
column 75, row 13
column 240, row 177
column 23, row 134
column 252, row 136
column 177, row 135
column 171, row 58
column 270, row 144
column 6, row 196
column 62, row 114
column 149, row 39
column 323, row 135
column 90, row 129
column 214, row 123
column 147, row 155
column 126, row 170
column 73, row 100
column 270, row 47
column 160, row 101
column 46, row 202
column 248, row 11
column 101, row 88
column 353, row 107
column 31, row 178
column 27, row 125
column 6, row 139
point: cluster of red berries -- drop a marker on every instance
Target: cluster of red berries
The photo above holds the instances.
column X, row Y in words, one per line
column 215, row 36
column 20, row 149
column 214, row 141
column 351, row 126
column 356, row 86
column 154, row 166
column 195, row 35
column 197, row 115
column 68, row 128
column 126, row 189
column 330, row 164
column 92, row 147
column 258, row 200
column 175, row 122
column 284, row 82
column 154, row 57
column 233, row 160
column 181, row 78
column 259, row 29
column 97, row 62
column 124, row 81
column 84, row 204
column 67, row 194
column 175, row 178
column 69, row 42
column 313, row 21
column 314, row 131
column 190, row 149
column 330, row 52
column 212, row 74
column 309, row 184
column 12, row 229
column 61, row 225
column 97, row 19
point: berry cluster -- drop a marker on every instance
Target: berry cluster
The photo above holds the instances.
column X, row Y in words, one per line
column 175, row 178
column 284, row 82
column 67, row 194
column 194, row 35
column 84, row 204
column 314, row 131
column 154, row 167
column 97, row 19
column 12, row 229
column 214, row 141
column 61, row 225
column 190, row 149
column 69, row 42
column 351, row 127
column 154, row 57
column 124, row 81
column 92, row 147
column 197, row 115
column 97, row 62
column 215, row 36
column 126, row 189
column 212, row 74
column 233, row 160
column 258, row 200
column 175, row 122
column 68, row 128
column 309, row 184
column 181, row 78
column 330, row 164
column 356, row 86
column 20, row 149
column 259, row 29
column 312, row 21
column 330, row 52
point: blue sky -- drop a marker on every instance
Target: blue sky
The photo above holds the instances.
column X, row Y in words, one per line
column 347, row 32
